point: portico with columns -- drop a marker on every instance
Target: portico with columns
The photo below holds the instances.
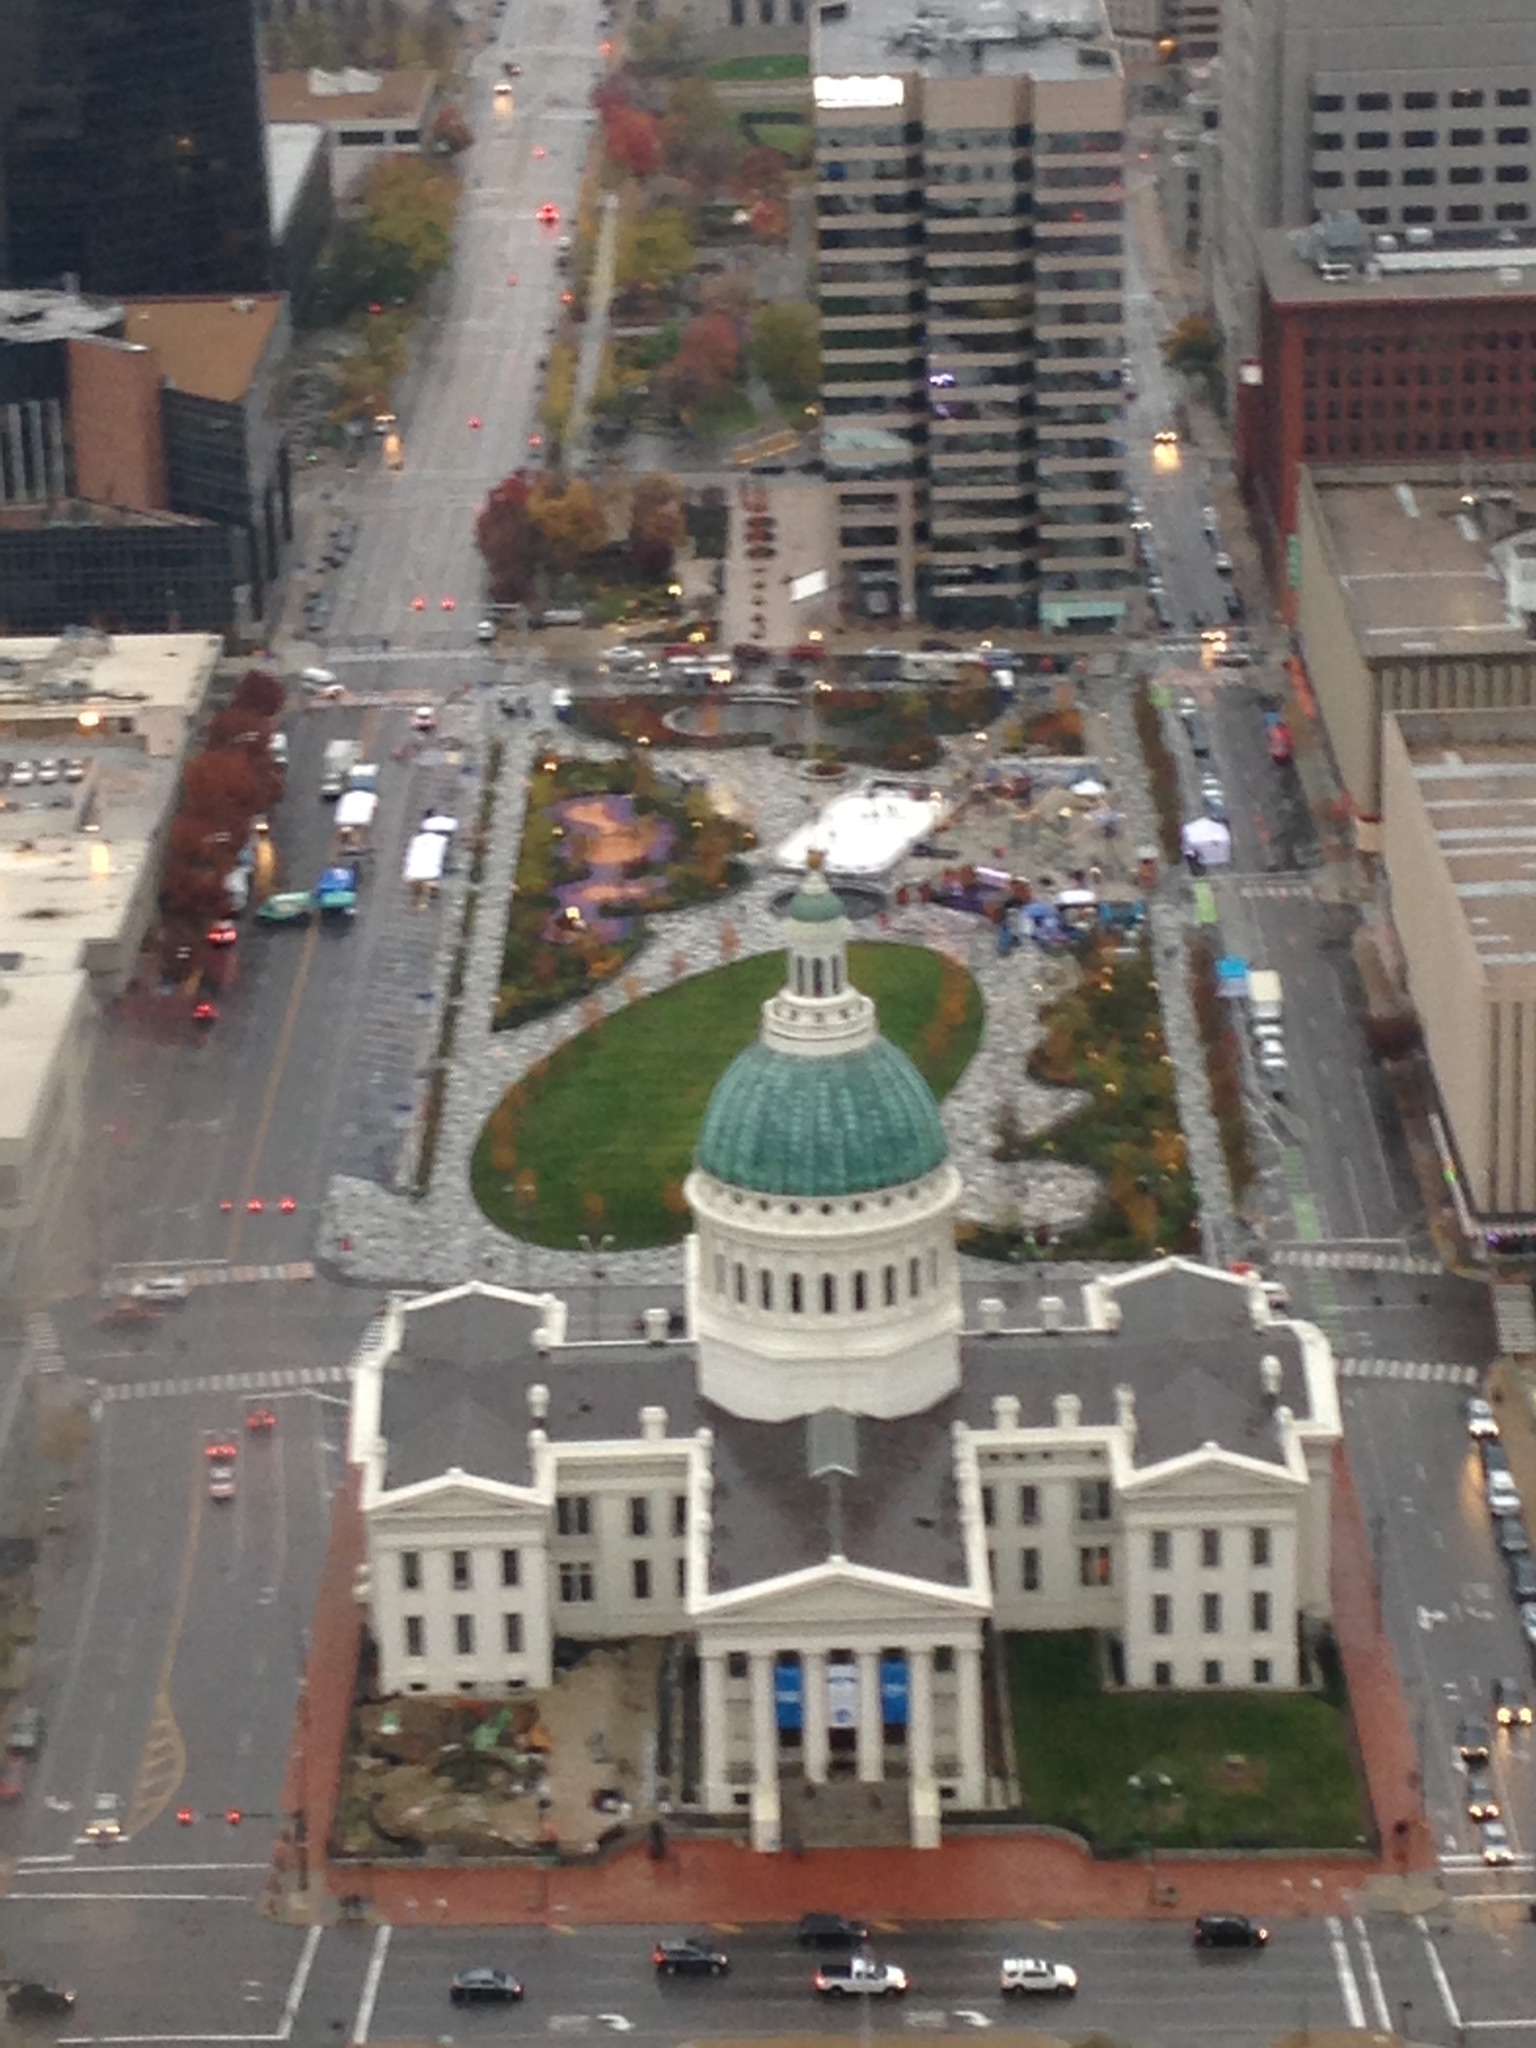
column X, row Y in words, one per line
column 842, row 1674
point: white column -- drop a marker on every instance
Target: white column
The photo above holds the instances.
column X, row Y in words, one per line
column 871, row 1720
column 714, row 1717
column 970, row 1725
column 765, row 1732
column 920, row 1714
column 813, row 1673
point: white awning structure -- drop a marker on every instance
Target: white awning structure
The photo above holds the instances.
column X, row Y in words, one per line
column 424, row 857
column 355, row 810
column 440, row 823
column 1208, row 838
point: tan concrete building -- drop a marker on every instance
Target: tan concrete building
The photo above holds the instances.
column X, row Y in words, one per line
column 1411, row 598
column 367, row 115
column 1459, row 839
column 971, row 251
column 92, row 734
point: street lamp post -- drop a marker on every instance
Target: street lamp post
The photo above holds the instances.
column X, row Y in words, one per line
column 1148, row 1787
column 596, row 1249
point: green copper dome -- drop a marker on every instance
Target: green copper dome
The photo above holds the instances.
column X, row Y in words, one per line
column 815, row 906
column 841, row 1125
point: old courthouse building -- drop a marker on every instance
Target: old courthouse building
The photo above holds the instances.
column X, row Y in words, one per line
column 831, row 1492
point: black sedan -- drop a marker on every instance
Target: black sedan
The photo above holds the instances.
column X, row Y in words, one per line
column 689, row 1959
column 485, row 1987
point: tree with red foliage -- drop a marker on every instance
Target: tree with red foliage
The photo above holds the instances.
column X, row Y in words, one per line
column 260, row 693
column 224, row 783
column 657, row 526
column 632, row 139
column 707, row 362
column 763, row 173
column 508, row 542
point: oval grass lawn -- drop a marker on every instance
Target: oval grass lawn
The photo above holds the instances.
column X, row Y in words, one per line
column 599, row 1137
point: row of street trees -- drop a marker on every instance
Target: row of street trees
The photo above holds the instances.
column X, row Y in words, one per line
column 226, row 785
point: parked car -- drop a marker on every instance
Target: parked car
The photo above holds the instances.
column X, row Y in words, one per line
column 1229, row 1930
column 1509, row 1534
column 1493, row 1454
column 1501, row 1494
column 831, row 1930
column 1522, row 1576
column 31, row 2000
column 1480, row 1418
column 1199, row 735
column 25, row 1736
column 485, row 1987
column 1528, row 1625
column 161, row 1287
column 689, row 1958
column 1223, row 562
column 1022, row 1976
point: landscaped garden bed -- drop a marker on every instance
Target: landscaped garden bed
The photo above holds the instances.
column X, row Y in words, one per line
column 605, row 843
column 1105, row 1037
column 1214, row 1770
column 600, row 1136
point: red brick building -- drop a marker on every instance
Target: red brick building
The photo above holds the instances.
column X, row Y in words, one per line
column 1425, row 356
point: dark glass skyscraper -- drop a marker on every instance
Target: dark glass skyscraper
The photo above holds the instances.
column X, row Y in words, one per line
column 131, row 146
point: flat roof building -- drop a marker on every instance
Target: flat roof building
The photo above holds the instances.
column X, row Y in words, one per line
column 80, row 849
column 970, row 255
column 1459, row 840
column 1412, row 597
column 366, row 114
column 1376, row 350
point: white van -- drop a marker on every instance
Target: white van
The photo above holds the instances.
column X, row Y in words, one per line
column 277, row 747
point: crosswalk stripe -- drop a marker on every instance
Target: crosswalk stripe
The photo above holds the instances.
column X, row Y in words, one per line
column 1439, row 1371
column 226, row 1383
column 1348, row 1259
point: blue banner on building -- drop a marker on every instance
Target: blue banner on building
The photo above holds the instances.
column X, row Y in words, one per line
column 789, row 1693
column 893, row 1690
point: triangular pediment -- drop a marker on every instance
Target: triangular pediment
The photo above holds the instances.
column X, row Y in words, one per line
column 836, row 1592
column 430, row 1500
column 1211, row 1473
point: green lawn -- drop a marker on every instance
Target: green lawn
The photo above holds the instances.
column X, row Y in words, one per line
column 786, row 66
column 1248, row 1770
column 615, row 1112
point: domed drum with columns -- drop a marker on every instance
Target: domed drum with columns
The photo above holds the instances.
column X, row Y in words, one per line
column 822, row 1273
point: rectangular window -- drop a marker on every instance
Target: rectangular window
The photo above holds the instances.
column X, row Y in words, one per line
column 511, row 1567
column 639, row 1515
column 1029, row 1570
column 1261, row 1671
column 1213, row 1671
column 1466, row 96
column 1093, row 1500
column 512, row 1633
column 459, row 1562
column 1261, row 1614
column 464, row 1635
column 415, row 1636
column 410, row 1570
column 640, row 1577
column 1210, row 1614
column 1421, row 102
column 944, row 1659
column 575, row 1582
column 679, row 1514
column 1514, row 96
column 1373, row 102
column 573, row 1514
column 988, row 1506
column 888, row 1287
column 764, row 1288
column 736, row 1664
column 680, row 1576
column 1162, row 1614
column 1162, row 1674
column 914, row 1276
column 1466, row 138
column 1258, row 1548
column 1162, row 1550
column 1210, row 1548
column 1029, row 1506
column 796, row 1295
column 1093, row 1565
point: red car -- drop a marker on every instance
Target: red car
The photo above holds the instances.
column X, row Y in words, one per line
column 219, row 1450
column 259, row 1417
column 13, row 1784
column 1282, row 748
column 223, row 933
column 548, row 214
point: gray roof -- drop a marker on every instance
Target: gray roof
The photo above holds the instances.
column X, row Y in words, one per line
column 457, row 1395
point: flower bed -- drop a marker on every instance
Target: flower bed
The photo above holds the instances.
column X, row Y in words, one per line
column 605, row 843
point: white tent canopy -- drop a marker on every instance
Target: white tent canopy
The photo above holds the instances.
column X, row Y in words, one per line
column 356, row 809
column 1209, row 839
column 440, row 823
column 424, row 857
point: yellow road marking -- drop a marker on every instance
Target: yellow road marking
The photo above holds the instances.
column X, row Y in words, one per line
column 163, row 1760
